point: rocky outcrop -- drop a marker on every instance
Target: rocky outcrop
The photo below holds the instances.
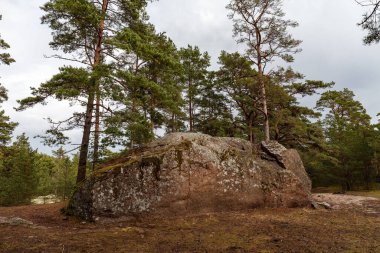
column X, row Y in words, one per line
column 188, row 172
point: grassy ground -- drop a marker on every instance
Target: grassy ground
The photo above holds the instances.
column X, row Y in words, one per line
column 260, row 230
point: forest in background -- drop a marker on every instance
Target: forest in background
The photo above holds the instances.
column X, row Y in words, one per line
column 135, row 84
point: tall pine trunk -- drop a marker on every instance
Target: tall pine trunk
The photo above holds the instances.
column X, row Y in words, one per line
column 82, row 166
column 263, row 95
column 265, row 110
column 97, row 130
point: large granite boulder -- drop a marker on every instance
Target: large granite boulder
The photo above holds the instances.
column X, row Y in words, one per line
column 189, row 172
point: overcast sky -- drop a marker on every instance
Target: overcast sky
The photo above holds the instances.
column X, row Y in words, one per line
column 332, row 49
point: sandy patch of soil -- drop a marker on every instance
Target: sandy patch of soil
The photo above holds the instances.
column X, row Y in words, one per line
column 367, row 205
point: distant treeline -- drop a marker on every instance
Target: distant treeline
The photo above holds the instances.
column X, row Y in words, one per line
column 25, row 173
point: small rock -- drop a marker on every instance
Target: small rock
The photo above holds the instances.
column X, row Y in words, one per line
column 314, row 205
column 320, row 205
column 325, row 205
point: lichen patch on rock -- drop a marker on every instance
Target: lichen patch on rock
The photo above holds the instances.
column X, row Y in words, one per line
column 189, row 172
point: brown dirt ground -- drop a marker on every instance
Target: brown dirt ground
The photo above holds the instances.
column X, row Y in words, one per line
column 259, row 230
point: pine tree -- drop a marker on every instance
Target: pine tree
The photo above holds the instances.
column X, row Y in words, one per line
column 195, row 66
column 6, row 126
column 237, row 81
column 348, row 131
column 260, row 24
column 291, row 123
column 18, row 177
column 370, row 21
column 146, row 90
column 45, row 175
column 5, row 58
column 215, row 114
column 6, row 129
column 82, row 30
column 64, row 174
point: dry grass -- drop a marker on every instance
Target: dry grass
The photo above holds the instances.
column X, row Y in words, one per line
column 260, row 230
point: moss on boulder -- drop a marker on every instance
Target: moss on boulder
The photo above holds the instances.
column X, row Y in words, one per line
column 188, row 172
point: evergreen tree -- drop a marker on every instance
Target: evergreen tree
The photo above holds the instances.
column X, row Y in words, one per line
column 83, row 29
column 260, row 24
column 348, row 133
column 78, row 30
column 6, row 126
column 145, row 90
column 292, row 124
column 56, row 174
column 237, row 81
column 195, row 66
column 6, row 129
column 18, row 181
column 215, row 114
column 370, row 21
column 45, row 175
column 64, row 170
column 5, row 58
